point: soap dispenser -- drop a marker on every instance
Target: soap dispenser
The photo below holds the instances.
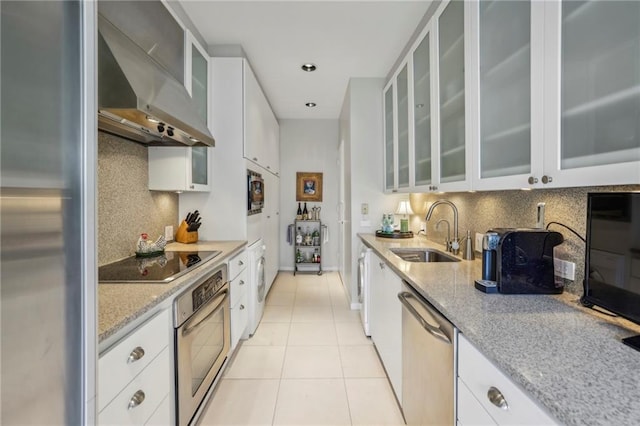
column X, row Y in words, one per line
column 468, row 248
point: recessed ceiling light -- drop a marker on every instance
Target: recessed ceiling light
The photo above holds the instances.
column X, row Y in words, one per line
column 308, row 67
column 310, row 104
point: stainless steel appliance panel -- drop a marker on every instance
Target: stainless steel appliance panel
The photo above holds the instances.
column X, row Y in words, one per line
column 45, row 348
column 427, row 362
column 203, row 340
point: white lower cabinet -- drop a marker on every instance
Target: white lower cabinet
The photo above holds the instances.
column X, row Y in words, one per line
column 162, row 413
column 470, row 411
column 135, row 376
column 238, row 280
column 487, row 396
column 385, row 318
column 139, row 400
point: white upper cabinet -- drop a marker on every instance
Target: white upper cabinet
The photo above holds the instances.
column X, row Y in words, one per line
column 262, row 131
column 389, row 144
column 454, row 154
column 507, row 84
column 517, row 94
column 592, row 125
column 423, row 166
column 186, row 169
column 402, row 82
column 425, row 108
column 197, row 76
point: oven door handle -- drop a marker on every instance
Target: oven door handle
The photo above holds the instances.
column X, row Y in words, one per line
column 204, row 313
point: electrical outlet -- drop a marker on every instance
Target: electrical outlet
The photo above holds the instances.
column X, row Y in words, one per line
column 564, row 269
column 364, row 209
column 478, row 245
column 423, row 226
column 168, row 233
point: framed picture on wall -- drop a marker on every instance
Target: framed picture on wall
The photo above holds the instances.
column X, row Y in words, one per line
column 308, row 186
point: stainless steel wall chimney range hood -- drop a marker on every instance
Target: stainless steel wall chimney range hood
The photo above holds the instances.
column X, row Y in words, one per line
column 139, row 100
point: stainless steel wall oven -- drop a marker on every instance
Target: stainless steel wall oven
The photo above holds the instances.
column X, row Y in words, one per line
column 203, row 339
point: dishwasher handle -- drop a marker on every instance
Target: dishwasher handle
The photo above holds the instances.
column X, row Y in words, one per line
column 434, row 331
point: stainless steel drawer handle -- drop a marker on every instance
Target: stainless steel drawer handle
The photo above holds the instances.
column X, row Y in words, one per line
column 241, row 307
column 241, row 282
column 436, row 332
column 240, row 263
column 135, row 355
column 497, row 399
column 381, row 265
column 136, row 399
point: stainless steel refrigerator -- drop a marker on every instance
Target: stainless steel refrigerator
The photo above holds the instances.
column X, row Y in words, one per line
column 47, row 210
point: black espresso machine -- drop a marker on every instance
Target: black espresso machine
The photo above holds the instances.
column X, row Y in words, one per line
column 519, row 261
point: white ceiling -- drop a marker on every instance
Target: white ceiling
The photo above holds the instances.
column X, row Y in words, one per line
column 343, row 38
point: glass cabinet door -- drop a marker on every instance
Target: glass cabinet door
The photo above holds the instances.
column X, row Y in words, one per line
column 505, row 88
column 402, row 83
column 451, row 86
column 422, row 113
column 199, row 165
column 389, row 175
column 199, row 81
column 600, row 83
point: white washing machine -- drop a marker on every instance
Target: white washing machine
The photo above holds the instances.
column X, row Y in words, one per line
column 364, row 289
column 257, row 288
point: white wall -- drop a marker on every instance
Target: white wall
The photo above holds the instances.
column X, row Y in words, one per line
column 309, row 146
column 362, row 109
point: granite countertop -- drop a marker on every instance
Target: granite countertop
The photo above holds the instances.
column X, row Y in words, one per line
column 568, row 358
column 124, row 306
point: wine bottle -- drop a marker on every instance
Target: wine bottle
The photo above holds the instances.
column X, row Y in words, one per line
column 305, row 212
column 299, row 213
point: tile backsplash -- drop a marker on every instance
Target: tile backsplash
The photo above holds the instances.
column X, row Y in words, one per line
column 480, row 211
column 126, row 206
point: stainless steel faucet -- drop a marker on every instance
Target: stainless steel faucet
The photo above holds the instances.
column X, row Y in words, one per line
column 455, row 242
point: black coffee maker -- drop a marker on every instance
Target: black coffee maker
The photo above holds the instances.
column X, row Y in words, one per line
column 520, row 260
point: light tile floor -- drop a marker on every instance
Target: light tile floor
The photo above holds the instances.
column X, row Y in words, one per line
column 309, row 363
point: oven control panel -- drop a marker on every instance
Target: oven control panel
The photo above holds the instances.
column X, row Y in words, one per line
column 207, row 290
column 199, row 294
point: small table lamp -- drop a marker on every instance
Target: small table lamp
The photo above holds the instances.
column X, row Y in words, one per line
column 404, row 208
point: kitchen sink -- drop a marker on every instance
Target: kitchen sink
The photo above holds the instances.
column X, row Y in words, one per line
column 423, row 255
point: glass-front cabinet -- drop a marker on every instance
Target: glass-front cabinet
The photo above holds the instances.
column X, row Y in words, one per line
column 423, row 165
column 507, row 80
column 403, row 128
column 592, row 124
column 186, row 169
column 389, row 151
column 451, row 100
column 425, row 109
column 517, row 94
column 396, row 131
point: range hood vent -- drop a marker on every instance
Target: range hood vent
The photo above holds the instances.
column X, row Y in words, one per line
column 139, row 100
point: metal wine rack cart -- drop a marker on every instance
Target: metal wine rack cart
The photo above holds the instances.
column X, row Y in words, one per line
column 304, row 253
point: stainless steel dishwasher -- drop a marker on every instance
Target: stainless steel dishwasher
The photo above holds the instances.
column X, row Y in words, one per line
column 427, row 362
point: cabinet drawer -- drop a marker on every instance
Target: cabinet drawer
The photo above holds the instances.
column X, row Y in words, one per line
column 238, row 287
column 470, row 411
column 239, row 319
column 116, row 369
column 236, row 264
column 162, row 415
column 154, row 381
column 481, row 377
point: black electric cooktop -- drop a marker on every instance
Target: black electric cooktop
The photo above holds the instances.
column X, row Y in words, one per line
column 158, row 269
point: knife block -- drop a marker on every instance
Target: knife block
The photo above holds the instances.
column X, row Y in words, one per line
column 184, row 236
